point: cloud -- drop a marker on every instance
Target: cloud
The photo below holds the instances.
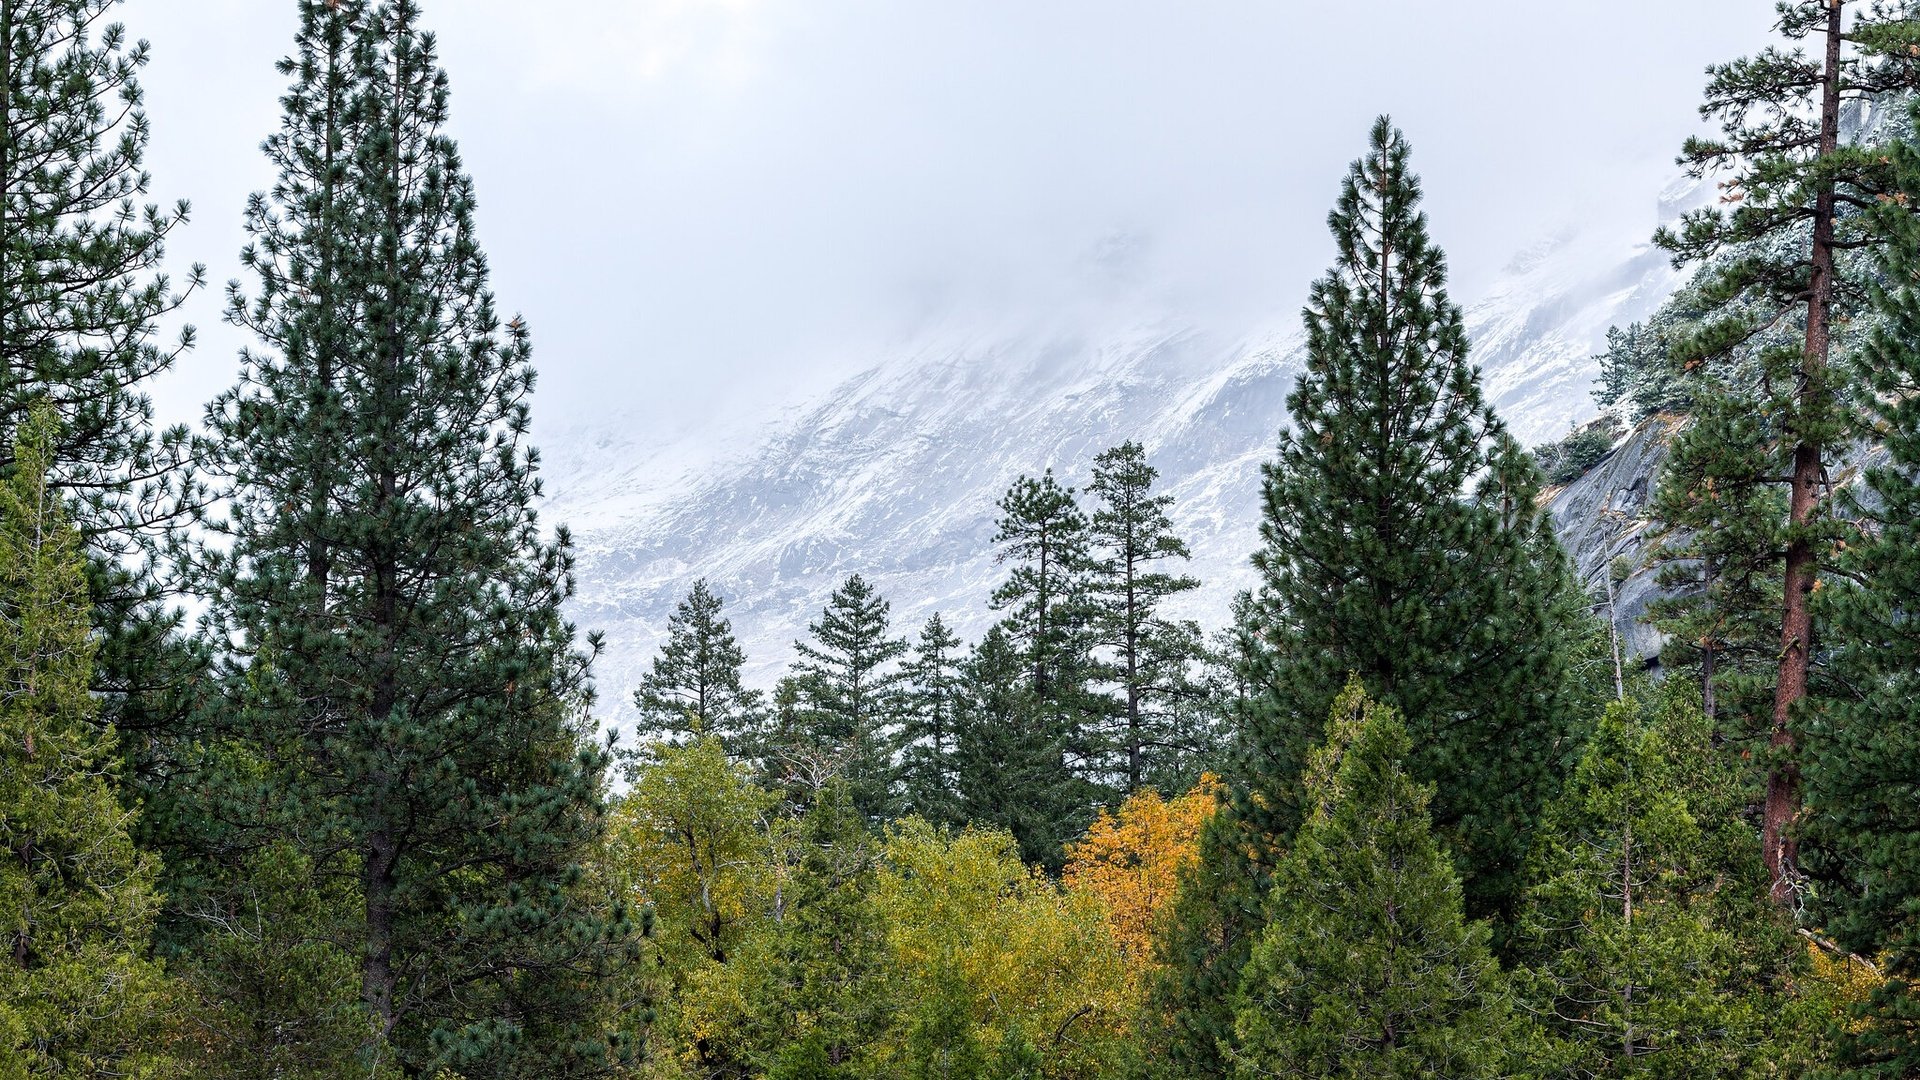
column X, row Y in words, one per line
column 706, row 205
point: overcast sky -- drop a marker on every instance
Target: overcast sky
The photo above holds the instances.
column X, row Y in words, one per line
column 717, row 204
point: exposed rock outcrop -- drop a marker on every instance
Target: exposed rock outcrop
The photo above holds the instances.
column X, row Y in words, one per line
column 1602, row 517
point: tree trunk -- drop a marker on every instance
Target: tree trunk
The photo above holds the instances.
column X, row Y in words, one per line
column 1136, row 765
column 1778, row 846
column 376, row 972
column 6, row 163
column 1709, row 703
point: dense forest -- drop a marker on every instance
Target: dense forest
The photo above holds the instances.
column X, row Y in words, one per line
column 301, row 773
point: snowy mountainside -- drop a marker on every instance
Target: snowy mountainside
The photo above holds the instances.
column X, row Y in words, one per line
column 894, row 473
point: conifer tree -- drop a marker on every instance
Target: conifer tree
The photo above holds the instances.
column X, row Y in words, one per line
column 849, row 686
column 401, row 670
column 1151, row 654
column 833, row 961
column 1043, row 535
column 934, row 689
column 1864, row 767
column 694, row 689
column 1379, row 560
column 1217, row 912
column 1796, row 186
column 1367, row 966
column 1375, row 561
column 78, row 994
column 1636, row 957
column 1010, row 756
column 82, row 298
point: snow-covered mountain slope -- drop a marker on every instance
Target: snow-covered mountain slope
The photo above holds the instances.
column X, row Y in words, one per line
column 895, row 472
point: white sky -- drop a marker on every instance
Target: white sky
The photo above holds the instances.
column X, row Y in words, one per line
column 706, row 205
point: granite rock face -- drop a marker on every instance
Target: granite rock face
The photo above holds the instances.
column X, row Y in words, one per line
column 1602, row 518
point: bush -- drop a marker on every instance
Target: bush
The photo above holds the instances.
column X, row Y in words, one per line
column 1572, row 457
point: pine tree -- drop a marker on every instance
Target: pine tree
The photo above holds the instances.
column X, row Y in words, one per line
column 1863, row 768
column 82, row 299
column 78, row 994
column 1638, row 373
column 1043, row 536
column 833, row 961
column 1453, row 605
column 401, row 669
column 1151, row 654
column 1376, row 562
column 934, row 691
column 694, row 689
column 1208, row 934
column 1796, row 186
column 1010, row 756
column 849, row 687
column 1636, row 955
column 1042, row 532
column 1367, row 966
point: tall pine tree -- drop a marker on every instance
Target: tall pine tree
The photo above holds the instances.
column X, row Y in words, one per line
column 693, row 689
column 934, row 689
column 1380, row 561
column 1375, row 560
column 1796, row 187
column 1150, row 654
column 82, row 298
column 400, row 665
column 850, row 698
column 1043, row 537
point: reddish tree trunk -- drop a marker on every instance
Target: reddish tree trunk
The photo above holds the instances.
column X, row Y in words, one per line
column 1778, row 846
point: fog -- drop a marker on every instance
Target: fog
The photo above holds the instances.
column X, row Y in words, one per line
column 713, row 206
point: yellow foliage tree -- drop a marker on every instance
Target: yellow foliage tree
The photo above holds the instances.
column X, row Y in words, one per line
column 966, row 917
column 1131, row 862
column 696, row 841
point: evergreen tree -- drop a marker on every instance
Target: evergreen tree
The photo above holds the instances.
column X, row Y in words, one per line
column 934, row 691
column 401, row 672
column 1367, row 966
column 1042, row 532
column 1209, row 932
column 833, row 961
column 1017, row 1058
column 1044, row 537
column 1453, row 606
column 693, row 689
column 849, row 687
column 1638, row 965
column 82, row 297
column 1010, row 756
column 1151, row 654
column 78, row 994
column 1773, row 297
column 1375, row 562
column 1863, row 768
column 1638, row 373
